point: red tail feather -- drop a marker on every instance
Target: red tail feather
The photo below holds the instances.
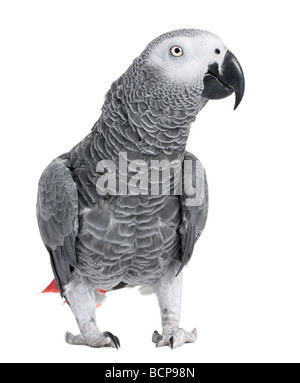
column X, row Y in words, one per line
column 52, row 288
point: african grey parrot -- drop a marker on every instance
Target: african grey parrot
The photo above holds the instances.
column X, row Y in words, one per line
column 99, row 240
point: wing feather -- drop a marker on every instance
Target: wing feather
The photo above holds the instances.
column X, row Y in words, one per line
column 193, row 210
column 57, row 213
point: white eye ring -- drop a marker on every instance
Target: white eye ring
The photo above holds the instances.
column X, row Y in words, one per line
column 176, row 51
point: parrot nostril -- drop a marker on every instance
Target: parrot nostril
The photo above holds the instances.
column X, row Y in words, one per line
column 217, row 51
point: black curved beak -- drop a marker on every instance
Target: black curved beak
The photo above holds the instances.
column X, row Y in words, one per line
column 218, row 85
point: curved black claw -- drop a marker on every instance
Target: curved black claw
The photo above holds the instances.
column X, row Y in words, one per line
column 113, row 338
column 118, row 341
column 171, row 340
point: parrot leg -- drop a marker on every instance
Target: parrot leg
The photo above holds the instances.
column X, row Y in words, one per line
column 169, row 292
column 82, row 299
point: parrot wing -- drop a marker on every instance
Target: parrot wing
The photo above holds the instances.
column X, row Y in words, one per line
column 193, row 210
column 57, row 213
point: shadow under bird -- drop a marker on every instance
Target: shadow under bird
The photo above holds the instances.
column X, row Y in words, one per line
column 100, row 242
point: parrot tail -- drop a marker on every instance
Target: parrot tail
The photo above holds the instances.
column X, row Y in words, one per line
column 52, row 288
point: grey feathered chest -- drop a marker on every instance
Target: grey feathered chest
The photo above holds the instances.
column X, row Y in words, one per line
column 128, row 239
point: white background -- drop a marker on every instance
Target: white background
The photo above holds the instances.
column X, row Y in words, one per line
column 241, row 289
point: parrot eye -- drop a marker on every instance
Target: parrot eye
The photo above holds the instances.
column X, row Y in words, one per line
column 217, row 51
column 176, row 51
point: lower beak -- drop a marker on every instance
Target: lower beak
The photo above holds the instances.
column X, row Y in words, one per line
column 218, row 85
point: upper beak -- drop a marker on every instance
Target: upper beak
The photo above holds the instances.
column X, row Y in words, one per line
column 220, row 84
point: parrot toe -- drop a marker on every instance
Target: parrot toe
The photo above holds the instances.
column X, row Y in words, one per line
column 174, row 337
column 94, row 340
column 156, row 336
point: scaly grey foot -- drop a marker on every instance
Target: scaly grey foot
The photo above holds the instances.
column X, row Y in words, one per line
column 174, row 337
column 92, row 339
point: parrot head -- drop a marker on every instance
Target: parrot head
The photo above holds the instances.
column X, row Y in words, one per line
column 192, row 59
